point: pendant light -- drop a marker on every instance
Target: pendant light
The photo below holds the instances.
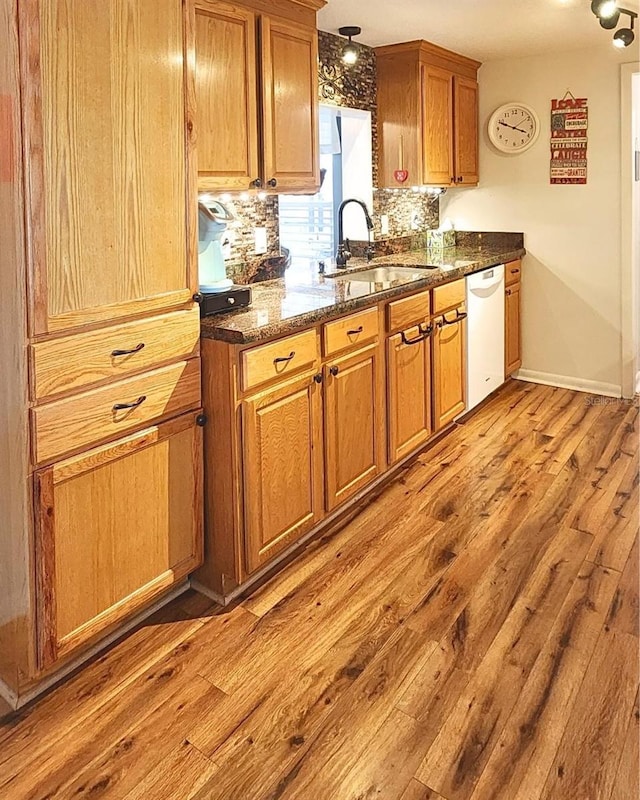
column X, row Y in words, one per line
column 350, row 50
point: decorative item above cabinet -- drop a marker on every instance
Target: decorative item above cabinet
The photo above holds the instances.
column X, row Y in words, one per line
column 428, row 116
column 257, row 95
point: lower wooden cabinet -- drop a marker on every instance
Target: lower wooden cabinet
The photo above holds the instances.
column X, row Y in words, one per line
column 282, row 467
column 115, row 527
column 354, row 428
column 513, row 343
column 449, row 367
column 409, row 390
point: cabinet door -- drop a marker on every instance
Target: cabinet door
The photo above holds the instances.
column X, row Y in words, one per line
column 282, row 467
column 226, row 94
column 437, row 126
column 354, row 424
column 409, row 390
column 513, row 346
column 466, row 130
column 115, row 527
column 449, row 369
column 110, row 209
column 290, row 105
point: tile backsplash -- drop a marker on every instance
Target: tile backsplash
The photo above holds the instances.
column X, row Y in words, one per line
column 409, row 212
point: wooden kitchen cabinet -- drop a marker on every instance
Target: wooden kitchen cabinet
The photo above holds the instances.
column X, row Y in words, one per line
column 353, row 424
column 437, row 126
column 115, row 527
column 227, row 93
column 512, row 323
column 409, row 390
column 449, row 367
column 428, row 115
column 281, row 467
column 109, row 194
column 466, row 133
column 257, row 95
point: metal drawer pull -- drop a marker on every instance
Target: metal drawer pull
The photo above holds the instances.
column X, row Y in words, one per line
column 515, row 271
column 355, row 332
column 135, row 349
column 127, row 406
column 425, row 334
column 460, row 315
column 286, row 358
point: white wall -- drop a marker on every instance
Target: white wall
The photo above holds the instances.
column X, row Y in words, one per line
column 571, row 276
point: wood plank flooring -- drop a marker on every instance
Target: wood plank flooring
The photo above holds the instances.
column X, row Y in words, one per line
column 471, row 635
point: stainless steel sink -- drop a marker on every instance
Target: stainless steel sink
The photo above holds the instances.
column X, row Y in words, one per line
column 381, row 275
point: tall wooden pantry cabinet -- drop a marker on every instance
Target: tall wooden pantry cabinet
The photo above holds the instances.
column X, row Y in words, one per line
column 100, row 487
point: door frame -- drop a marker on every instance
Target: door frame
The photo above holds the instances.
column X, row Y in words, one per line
column 629, row 266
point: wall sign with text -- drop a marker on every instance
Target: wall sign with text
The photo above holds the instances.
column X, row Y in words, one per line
column 569, row 124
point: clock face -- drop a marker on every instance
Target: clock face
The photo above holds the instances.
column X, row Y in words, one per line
column 514, row 128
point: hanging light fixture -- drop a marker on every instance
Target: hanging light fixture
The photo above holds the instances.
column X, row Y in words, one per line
column 350, row 50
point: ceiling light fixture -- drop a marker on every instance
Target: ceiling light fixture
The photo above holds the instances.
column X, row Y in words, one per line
column 624, row 37
column 608, row 13
column 604, row 9
column 350, row 50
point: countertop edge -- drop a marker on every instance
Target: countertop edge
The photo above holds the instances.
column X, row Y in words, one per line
column 218, row 332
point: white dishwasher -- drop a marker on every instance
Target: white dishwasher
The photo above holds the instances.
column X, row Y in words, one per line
column 485, row 334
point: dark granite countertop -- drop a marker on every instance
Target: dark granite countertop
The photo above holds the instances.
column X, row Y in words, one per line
column 301, row 300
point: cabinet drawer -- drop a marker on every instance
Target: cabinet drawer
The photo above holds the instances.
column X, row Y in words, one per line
column 512, row 272
column 408, row 311
column 77, row 362
column 350, row 332
column 278, row 359
column 75, row 422
column 448, row 296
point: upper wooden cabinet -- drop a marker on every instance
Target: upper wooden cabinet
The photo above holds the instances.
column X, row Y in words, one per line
column 257, row 95
column 226, row 88
column 109, row 200
column 428, row 115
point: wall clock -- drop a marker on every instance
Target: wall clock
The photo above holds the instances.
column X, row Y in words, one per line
column 514, row 128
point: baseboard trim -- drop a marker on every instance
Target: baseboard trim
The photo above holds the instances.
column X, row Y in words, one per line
column 18, row 701
column 566, row 382
column 8, row 695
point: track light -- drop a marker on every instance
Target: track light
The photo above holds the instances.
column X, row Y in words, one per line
column 604, row 9
column 624, row 37
column 609, row 23
column 609, row 13
column 350, row 50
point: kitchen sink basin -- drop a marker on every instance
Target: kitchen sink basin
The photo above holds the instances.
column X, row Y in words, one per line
column 381, row 275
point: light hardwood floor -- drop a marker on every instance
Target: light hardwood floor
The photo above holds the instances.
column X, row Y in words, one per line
column 471, row 635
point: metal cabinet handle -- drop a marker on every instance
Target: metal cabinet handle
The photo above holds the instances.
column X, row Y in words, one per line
column 425, row 333
column 257, row 183
column 460, row 315
column 318, row 378
column 273, row 183
column 509, row 292
column 515, row 271
column 135, row 349
column 355, row 332
column 127, row 406
column 284, row 359
column 334, row 371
